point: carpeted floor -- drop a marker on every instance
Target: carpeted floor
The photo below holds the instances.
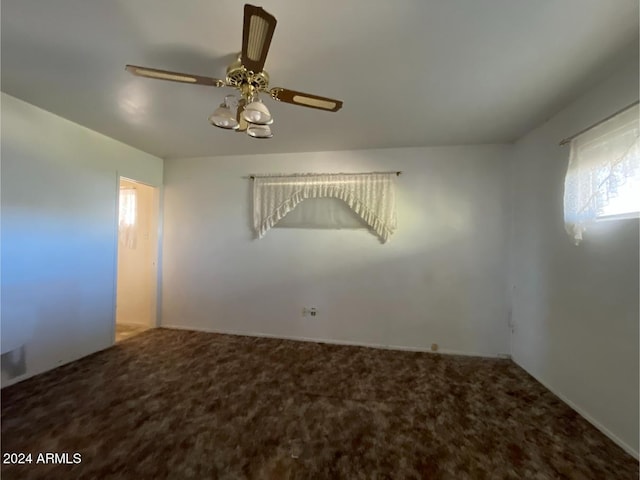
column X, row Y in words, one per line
column 188, row 405
column 128, row 330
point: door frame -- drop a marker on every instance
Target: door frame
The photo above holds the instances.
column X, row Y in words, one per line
column 155, row 234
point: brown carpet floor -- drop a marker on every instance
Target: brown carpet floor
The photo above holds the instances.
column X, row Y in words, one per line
column 188, row 405
column 128, row 330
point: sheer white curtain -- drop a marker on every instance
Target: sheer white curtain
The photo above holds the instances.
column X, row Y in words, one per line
column 369, row 195
column 127, row 232
column 604, row 161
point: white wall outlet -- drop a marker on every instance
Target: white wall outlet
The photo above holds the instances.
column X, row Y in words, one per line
column 309, row 312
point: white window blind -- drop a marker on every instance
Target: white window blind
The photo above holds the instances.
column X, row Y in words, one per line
column 603, row 178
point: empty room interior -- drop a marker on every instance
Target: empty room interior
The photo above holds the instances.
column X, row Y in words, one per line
column 298, row 240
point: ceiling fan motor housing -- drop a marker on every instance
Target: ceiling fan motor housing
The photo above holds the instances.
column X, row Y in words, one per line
column 238, row 76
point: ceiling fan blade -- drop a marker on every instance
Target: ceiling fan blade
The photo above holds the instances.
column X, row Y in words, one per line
column 257, row 32
column 174, row 76
column 305, row 99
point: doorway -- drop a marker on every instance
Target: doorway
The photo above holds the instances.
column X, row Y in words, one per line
column 136, row 291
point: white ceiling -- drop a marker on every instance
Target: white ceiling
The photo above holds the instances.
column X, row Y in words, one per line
column 410, row 72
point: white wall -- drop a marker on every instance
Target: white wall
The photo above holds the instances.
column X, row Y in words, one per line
column 136, row 286
column 59, row 186
column 575, row 309
column 441, row 278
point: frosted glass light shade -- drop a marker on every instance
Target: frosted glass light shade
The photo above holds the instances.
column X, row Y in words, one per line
column 223, row 118
column 259, row 131
column 258, row 113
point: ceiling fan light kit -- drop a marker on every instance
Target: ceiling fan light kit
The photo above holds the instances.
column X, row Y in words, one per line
column 247, row 113
column 223, row 117
column 259, row 131
column 257, row 112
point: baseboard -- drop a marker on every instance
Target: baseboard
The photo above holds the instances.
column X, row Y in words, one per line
column 584, row 414
column 28, row 375
column 335, row 342
column 136, row 324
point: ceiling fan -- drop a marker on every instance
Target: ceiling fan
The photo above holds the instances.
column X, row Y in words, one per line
column 248, row 76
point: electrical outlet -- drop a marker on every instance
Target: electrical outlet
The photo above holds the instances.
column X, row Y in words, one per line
column 309, row 312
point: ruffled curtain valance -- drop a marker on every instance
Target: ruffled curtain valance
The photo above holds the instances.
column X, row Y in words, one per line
column 370, row 195
column 601, row 162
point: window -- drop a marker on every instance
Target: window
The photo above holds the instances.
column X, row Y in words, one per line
column 127, row 216
column 371, row 196
column 127, row 207
column 603, row 178
column 322, row 213
column 626, row 203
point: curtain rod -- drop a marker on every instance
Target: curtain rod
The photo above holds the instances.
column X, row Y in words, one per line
column 568, row 139
column 296, row 175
